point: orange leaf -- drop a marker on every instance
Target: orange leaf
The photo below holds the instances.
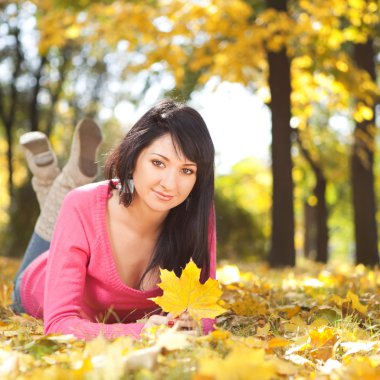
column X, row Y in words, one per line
column 322, row 342
column 278, row 342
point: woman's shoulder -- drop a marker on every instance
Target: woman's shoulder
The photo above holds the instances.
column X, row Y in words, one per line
column 89, row 193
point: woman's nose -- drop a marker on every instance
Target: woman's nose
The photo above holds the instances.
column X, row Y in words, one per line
column 168, row 179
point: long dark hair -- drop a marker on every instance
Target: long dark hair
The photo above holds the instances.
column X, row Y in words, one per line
column 186, row 228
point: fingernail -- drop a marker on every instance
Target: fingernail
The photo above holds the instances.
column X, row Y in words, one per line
column 170, row 323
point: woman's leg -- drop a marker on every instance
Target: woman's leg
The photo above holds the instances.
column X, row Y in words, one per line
column 80, row 169
column 43, row 164
column 36, row 246
column 41, row 161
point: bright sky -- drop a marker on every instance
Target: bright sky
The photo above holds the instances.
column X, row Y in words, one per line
column 239, row 123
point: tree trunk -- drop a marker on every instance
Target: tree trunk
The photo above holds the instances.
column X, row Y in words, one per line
column 321, row 220
column 362, row 176
column 309, row 237
column 8, row 131
column 8, row 118
column 320, row 212
column 282, row 250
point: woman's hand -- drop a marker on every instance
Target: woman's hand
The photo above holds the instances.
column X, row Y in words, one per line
column 156, row 320
column 183, row 323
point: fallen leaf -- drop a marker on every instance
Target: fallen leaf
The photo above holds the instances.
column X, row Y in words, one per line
column 322, row 342
column 330, row 366
column 300, row 360
column 284, row 367
column 361, row 367
column 263, row 331
column 290, row 310
column 241, row 363
column 351, row 348
column 319, row 322
column 356, row 303
column 351, row 302
column 278, row 342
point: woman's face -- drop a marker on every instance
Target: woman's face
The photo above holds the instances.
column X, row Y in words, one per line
column 163, row 177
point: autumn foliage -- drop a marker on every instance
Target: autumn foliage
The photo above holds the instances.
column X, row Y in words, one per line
column 310, row 322
column 63, row 60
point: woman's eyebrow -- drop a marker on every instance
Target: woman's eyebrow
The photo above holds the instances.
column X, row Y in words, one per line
column 167, row 159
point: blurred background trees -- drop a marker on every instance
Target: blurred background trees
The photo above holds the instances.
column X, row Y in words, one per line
column 314, row 63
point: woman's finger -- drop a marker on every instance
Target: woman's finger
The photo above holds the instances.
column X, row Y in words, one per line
column 155, row 320
column 182, row 322
column 158, row 319
column 185, row 316
column 178, row 324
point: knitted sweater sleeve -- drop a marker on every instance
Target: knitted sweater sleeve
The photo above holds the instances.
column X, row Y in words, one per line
column 65, row 280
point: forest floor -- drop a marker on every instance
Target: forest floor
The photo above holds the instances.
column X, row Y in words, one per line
column 309, row 322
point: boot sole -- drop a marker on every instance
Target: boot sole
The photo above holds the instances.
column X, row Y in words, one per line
column 90, row 136
column 38, row 145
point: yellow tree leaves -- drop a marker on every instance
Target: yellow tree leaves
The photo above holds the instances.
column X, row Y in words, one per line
column 188, row 294
column 57, row 26
column 95, row 24
column 229, row 39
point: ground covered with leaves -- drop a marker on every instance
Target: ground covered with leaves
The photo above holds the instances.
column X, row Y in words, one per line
column 312, row 322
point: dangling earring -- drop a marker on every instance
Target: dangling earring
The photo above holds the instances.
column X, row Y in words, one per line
column 131, row 185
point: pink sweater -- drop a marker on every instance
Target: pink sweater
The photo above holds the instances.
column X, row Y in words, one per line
column 75, row 286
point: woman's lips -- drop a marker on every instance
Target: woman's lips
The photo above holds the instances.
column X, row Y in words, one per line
column 162, row 196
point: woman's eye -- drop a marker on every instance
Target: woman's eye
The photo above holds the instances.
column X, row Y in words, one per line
column 188, row 171
column 158, row 163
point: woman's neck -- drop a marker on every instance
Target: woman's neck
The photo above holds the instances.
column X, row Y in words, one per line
column 139, row 217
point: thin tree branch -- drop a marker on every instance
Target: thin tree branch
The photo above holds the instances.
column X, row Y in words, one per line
column 34, row 110
column 14, row 95
column 307, row 155
column 55, row 94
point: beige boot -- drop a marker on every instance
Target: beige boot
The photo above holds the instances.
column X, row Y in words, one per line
column 82, row 166
column 41, row 161
column 80, row 169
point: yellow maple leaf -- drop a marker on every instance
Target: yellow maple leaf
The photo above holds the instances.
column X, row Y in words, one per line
column 188, row 294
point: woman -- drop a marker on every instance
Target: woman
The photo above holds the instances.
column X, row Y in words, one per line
column 110, row 239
